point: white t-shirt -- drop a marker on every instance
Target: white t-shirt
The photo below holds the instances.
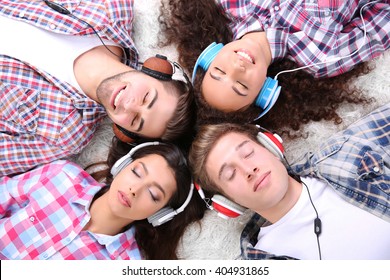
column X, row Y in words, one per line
column 48, row 51
column 347, row 231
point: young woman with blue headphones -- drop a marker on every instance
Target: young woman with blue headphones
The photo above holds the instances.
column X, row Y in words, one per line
column 140, row 210
column 333, row 203
column 239, row 51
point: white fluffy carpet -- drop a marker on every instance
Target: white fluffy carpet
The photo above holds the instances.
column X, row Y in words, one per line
column 217, row 238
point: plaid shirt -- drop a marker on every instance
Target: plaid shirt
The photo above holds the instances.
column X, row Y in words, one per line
column 310, row 31
column 43, row 213
column 354, row 162
column 42, row 118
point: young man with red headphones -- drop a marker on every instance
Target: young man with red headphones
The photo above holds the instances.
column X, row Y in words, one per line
column 310, row 209
column 71, row 65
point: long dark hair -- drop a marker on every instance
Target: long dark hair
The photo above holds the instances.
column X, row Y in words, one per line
column 160, row 242
column 193, row 25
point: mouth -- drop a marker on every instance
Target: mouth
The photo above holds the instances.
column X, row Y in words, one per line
column 123, row 199
column 246, row 56
column 115, row 99
column 262, row 181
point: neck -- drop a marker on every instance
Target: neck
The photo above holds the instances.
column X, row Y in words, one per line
column 102, row 220
column 261, row 40
column 288, row 201
column 95, row 65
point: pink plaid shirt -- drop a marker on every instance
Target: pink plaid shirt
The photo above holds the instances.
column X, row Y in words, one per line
column 42, row 118
column 311, row 31
column 43, row 213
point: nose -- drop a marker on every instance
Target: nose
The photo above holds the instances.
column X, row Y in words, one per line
column 239, row 65
column 131, row 105
column 251, row 172
column 133, row 192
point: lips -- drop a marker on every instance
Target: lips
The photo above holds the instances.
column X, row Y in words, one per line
column 246, row 55
column 262, row 181
column 115, row 98
column 123, row 199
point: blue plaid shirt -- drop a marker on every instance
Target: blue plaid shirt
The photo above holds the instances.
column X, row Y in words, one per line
column 312, row 31
column 41, row 117
column 354, row 162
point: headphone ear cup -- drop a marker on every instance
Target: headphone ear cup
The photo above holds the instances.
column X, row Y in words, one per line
column 120, row 164
column 267, row 96
column 158, row 67
column 272, row 142
column 226, row 208
column 124, row 135
column 206, row 57
column 162, row 216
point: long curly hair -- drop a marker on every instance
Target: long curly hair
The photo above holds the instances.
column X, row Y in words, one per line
column 193, row 25
column 158, row 243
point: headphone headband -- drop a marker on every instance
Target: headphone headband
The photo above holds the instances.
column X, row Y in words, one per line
column 127, row 159
column 167, row 213
column 206, row 57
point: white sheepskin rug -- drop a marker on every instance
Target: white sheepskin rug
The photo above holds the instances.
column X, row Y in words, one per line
column 216, row 238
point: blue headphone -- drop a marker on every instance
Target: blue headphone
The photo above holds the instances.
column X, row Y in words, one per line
column 268, row 94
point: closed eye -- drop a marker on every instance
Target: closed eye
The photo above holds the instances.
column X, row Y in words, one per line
column 249, row 155
column 215, row 74
column 134, row 120
column 145, row 98
column 153, row 196
column 244, row 86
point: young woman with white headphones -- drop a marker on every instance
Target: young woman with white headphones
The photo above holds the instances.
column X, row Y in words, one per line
column 59, row 211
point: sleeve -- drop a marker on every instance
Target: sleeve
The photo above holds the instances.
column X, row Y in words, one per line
column 25, row 154
column 352, row 39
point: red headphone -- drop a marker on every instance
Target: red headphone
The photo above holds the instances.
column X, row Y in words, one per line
column 159, row 68
column 224, row 206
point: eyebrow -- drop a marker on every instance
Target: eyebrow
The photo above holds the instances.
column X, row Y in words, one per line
column 225, row 164
column 235, row 89
column 142, row 122
column 154, row 182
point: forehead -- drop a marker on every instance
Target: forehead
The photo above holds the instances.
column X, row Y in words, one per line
column 159, row 170
column 227, row 144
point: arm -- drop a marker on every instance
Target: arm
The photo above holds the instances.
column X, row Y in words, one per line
column 307, row 47
column 20, row 154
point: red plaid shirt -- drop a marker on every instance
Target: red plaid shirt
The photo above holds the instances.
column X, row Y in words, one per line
column 43, row 213
column 41, row 117
column 309, row 31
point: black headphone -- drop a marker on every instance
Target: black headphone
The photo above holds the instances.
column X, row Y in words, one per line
column 165, row 214
column 227, row 208
column 268, row 94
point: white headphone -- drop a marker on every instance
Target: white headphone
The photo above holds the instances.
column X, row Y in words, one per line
column 165, row 214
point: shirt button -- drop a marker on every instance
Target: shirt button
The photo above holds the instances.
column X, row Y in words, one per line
column 376, row 169
column 52, row 26
column 22, row 14
column 276, row 8
column 32, row 219
column 327, row 12
column 45, row 255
